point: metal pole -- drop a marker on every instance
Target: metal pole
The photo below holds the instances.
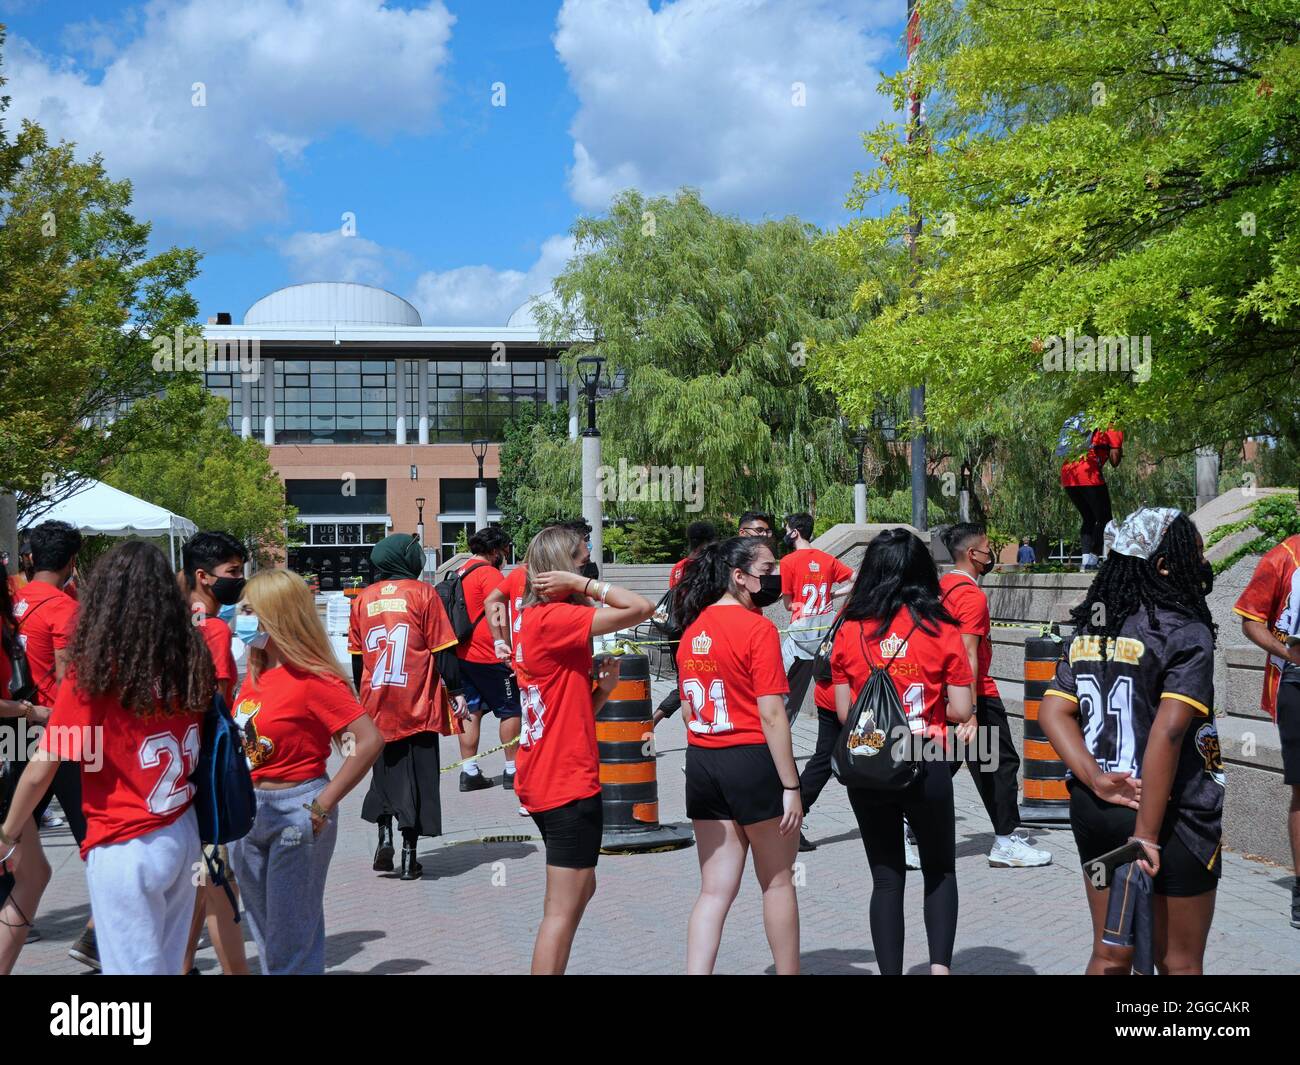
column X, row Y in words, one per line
column 592, row 508
column 860, row 503
column 573, row 404
column 480, row 506
column 919, row 517
column 1207, row 475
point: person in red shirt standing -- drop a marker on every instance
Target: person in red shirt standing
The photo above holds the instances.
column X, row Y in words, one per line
column 130, row 711
column 410, row 684
column 1270, row 618
column 486, row 680
column 742, row 786
column 559, row 762
column 811, row 580
column 294, row 700
column 47, row 618
column 894, row 618
column 1083, row 479
column 996, row 763
column 212, row 576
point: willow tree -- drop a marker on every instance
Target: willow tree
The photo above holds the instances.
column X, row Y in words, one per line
column 1091, row 169
column 705, row 322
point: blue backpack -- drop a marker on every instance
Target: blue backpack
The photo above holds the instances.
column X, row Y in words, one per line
column 224, row 801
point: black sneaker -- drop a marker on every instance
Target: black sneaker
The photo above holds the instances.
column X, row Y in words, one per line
column 508, row 781
column 86, row 950
column 474, row 781
column 1295, row 905
column 805, row 844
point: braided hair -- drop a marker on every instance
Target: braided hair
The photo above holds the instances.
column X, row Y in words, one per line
column 1126, row 584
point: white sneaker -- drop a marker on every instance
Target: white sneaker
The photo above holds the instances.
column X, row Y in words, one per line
column 1017, row 854
column 523, row 812
column 910, row 857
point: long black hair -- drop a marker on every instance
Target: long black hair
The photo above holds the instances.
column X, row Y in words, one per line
column 135, row 639
column 897, row 571
column 1125, row 584
column 708, row 577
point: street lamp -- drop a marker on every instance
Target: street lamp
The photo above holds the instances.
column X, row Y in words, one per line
column 419, row 522
column 479, row 447
column 860, row 485
column 592, row 510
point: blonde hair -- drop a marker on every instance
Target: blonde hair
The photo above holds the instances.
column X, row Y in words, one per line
column 286, row 610
column 551, row 549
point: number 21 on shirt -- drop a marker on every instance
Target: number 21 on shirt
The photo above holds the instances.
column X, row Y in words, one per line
column 173, row 789
column 716, row 719
column 390, row 667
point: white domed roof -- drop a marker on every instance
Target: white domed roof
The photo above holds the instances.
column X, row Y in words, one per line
column 523, row 316
column 331, row 303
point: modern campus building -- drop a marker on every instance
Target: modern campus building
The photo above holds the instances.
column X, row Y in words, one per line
column 365, row 409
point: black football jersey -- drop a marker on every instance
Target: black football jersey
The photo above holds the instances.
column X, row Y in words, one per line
column 1118, row 684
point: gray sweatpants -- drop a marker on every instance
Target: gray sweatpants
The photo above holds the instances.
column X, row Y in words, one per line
column 281, row 869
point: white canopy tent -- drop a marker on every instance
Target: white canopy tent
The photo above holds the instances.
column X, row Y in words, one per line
column 100, row 509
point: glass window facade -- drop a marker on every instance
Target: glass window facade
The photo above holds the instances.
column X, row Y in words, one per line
column 354, row 401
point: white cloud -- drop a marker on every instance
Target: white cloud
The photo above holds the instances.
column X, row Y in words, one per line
column 331, row 256
column 700, row 93
column 278, row 75
column 484, row 295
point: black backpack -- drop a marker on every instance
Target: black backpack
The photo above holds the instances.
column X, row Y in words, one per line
column 451, row 591
column 874, row 748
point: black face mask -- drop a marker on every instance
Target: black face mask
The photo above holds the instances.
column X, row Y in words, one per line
column 769, row 590
column 792, row 538
column 227, row 590
column 589, row 570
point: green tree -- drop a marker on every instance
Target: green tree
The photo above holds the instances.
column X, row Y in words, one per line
column 1100, row 167
column 213, row 477
column 79, row 301
column 705, row 321
column 527, row 441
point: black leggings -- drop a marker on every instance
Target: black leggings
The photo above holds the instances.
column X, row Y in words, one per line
column 927, row 804
column 1093, row 503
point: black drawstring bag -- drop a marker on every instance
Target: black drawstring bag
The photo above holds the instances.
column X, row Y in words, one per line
column 821, row 669
column 874, row 748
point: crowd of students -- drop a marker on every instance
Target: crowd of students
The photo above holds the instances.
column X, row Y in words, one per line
column 124, row 673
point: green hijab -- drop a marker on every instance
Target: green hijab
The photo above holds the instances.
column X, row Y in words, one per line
column 398, row 557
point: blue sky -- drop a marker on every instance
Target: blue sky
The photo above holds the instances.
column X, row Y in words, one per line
column 313, row 108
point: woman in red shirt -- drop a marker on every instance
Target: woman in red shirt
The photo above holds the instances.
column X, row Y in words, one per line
column 894, row 618
column 1083, row 479
column 558, row 763
column 295, row 699
column 742, row 786
column 130, row 710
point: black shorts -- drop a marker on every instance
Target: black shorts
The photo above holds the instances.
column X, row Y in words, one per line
column 495, row 684
column 738, row 784
column 1288, row 728
column 1102, row 826
column 572, row 833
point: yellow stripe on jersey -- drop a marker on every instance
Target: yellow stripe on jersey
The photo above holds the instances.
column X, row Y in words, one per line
column 443, row 647
column 1189, row 701
column 1247, row 615
column 1061, row 694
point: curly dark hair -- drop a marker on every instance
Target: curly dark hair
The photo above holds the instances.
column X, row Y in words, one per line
column 1125, row 584
column 135, row 639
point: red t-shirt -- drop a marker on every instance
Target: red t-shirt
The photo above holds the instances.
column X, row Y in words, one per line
column 966, row 601
column 512, row 587
column 1273, row 597
column 558, row 761
column 479, row 647
column 288, row 716
column 807, row 576
column 675, row 574
column 1087, row 471
column 216, row 634
column 47, row 619
column 925, row 666
column 135, row 768
column 728, row 657
column 396, row 627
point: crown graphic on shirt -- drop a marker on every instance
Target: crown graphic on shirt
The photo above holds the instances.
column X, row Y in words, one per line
column 388, row 589
column 893, row 645
column 701, row 644
column 814, row 567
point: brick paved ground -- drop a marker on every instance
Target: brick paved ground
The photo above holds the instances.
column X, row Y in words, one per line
column 478, row 906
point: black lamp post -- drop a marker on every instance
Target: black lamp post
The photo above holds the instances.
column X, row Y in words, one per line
column 479, row 447
column 589, row 370
column 419, row 521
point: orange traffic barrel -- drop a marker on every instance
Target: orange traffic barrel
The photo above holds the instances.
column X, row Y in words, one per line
column 629, row 787
column 1046, row 798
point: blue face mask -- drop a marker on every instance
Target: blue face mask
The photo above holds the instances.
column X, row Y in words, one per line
column 226, row 613
column 246, row 628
